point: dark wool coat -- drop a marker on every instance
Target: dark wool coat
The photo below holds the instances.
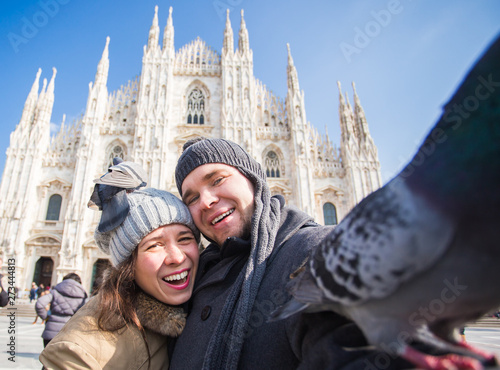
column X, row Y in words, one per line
column 65, row 299
column 308, row 341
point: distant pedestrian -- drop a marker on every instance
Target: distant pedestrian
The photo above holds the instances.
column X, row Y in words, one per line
column 40, row 290
column 4, row 297
column 47, row 308
column 33, row 292
column 65, row 299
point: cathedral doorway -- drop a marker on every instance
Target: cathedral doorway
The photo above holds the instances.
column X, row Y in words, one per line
column 43, row 271
column 97, row 273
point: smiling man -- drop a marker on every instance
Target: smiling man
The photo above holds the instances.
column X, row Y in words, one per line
column 256, row 243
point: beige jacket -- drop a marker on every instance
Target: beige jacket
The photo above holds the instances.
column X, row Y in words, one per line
column 81, row 345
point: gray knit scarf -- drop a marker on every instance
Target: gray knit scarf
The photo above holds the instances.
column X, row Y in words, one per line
column 225, row 346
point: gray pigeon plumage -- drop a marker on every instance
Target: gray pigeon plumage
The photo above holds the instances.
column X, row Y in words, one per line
column 420, row 257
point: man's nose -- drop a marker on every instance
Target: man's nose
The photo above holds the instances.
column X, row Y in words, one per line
column 207, row 199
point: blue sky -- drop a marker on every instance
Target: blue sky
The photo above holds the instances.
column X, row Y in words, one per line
column 406, row 57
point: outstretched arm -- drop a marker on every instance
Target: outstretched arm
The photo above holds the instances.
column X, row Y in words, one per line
column 327, row 340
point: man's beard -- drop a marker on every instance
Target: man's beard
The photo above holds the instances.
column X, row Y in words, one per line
column 246, row 231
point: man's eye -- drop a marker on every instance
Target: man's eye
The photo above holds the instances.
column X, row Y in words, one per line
column 218, row 180
column 192, row 200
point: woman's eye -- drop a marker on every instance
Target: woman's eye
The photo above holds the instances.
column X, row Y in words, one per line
column 152, row 246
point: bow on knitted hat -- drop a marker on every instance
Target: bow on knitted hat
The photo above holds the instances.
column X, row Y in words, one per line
column 109, row 195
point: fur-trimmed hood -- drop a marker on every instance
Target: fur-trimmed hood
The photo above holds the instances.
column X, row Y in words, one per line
column 160, row 317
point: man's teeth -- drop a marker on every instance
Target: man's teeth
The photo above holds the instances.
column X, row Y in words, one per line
column 217, row 219
column 180, row 276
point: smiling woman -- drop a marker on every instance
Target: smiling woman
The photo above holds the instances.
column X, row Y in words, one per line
column 153, row 244
column 166, row 265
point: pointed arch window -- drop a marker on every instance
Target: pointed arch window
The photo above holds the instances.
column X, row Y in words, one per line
column 117, row 151
column 54, row 208
column 272, row 164
column 330, row 214
column 196, row 107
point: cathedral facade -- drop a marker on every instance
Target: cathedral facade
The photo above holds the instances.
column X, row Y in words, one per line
column 45, row 225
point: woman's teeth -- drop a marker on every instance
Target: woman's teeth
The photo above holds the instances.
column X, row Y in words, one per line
column 177, row 278
column 217, row 219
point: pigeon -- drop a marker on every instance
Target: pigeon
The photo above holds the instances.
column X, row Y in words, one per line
column 109, row 195
column 419, row 258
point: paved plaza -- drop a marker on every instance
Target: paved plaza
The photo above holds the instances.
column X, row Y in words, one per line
column 28, row 343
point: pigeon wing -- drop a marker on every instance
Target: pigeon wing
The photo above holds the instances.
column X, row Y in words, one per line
column 384, row 241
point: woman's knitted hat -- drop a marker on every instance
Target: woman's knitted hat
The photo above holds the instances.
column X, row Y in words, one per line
column 202, row 150
column 149, row 209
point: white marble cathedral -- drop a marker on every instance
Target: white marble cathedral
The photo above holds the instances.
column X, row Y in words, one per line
column 45, row 224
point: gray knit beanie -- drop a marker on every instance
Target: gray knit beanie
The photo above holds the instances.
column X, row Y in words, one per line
column 149, row 209
column 202, row 150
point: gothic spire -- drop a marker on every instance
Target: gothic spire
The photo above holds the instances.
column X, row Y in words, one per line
column 47, row 102
column 359, row 115
column 31, row 100
column 50, row 88
column 154, row 31
column 168, row 33
column 293, row 78
column 243, row 42
column 345, row 113
column 63, row 122
column 101, row 77
column 342, row 106
column 228, row 44
column 41, row 99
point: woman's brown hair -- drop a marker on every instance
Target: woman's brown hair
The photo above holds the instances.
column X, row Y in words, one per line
column 118, row 299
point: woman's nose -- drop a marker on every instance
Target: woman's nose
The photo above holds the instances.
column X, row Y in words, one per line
column 174, row 256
